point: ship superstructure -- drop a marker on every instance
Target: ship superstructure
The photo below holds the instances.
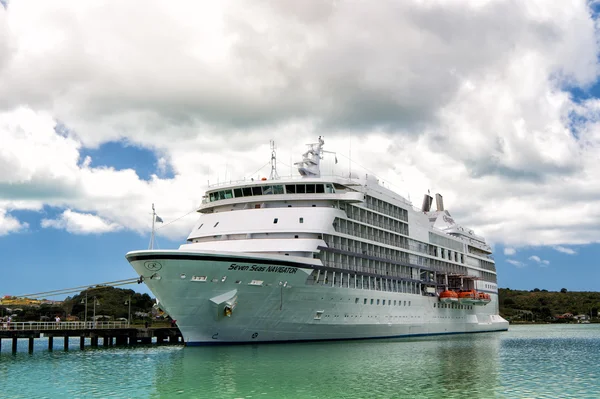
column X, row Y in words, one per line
column 322, row 258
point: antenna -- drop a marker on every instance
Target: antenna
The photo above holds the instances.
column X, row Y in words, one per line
column 151, row 246
column 350, row 160
column 273, row 175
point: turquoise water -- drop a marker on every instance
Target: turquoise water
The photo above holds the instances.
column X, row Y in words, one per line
column 543, row 361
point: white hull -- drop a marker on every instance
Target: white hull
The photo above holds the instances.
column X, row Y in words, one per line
column 284, row 307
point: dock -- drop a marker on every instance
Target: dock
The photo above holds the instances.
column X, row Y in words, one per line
column 111, row 333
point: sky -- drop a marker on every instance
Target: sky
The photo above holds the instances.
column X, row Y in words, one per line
column 109, row 107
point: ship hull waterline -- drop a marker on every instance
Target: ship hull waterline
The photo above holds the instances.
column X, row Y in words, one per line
column 269, row 301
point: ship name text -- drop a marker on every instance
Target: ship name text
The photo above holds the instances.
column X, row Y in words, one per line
column 268, row 269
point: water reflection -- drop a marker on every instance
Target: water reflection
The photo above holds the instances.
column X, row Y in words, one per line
column 451, row 366
column 528, row 361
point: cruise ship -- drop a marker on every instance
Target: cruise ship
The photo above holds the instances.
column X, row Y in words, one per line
column 316, row 258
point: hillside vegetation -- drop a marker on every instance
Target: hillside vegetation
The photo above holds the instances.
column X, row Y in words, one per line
column 542, row 305
column 109, row 301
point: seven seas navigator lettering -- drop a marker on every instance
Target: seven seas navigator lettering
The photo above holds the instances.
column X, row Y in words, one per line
column 270, row 269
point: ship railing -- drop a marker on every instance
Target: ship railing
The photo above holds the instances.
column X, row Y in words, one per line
column 63, row 325
column 264, row 179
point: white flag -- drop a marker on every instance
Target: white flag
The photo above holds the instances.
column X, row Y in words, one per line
column 158, row 219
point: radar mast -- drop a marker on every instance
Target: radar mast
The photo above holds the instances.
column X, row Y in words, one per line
column 311, row 159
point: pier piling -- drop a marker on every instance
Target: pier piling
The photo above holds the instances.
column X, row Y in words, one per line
column 109, row 332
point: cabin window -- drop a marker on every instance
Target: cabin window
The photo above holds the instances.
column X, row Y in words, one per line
column 247, row 191
column 301, row 220
column 319, row 188
column 216, row 224
column 356, row 300
column 310, row 189
column 267, row 190
column 275, row 220
column 365, row 301
column 371, row 301
column 300, row 188
column 278, row 189
column 295, row 236
column 257, row 190
column 237, row 192
column 290, row 189
column 383, row 302
column 329, row 189
column 378, row 301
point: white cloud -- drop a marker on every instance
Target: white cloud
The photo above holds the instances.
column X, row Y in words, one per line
column 467, row 98
column 516, row 263
column 9, row 224
column 509, row 251
column 81, row 223
column 565, row 250
column 540, row 261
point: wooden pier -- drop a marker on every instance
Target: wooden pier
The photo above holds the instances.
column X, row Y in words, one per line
column 111, row 333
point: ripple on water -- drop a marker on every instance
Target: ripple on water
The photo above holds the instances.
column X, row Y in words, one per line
column 528, row 361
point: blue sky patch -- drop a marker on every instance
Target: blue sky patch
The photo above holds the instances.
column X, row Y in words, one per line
column 122, row 155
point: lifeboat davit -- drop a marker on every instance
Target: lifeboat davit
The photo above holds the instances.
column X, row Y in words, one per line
column 448, row 296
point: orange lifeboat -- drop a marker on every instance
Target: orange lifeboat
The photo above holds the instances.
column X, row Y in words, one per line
column 448, row 296
column 472, row 297
column 482, row 299
column 467, row 297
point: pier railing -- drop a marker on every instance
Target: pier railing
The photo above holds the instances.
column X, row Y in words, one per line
column 66, row 325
